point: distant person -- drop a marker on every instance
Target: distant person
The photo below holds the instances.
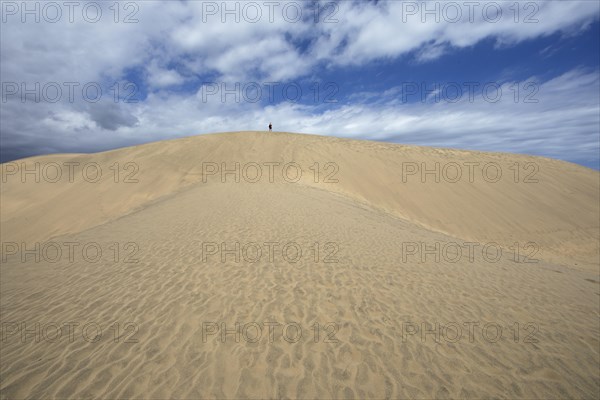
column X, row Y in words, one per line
column 270, row 127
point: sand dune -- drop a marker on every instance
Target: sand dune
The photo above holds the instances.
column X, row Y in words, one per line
column 379, row 266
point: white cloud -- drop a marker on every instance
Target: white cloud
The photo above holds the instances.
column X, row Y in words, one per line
column 163, row 77
column 186, row 33
column 399, row 27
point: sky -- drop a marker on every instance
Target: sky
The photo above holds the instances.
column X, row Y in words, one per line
column 85, row 76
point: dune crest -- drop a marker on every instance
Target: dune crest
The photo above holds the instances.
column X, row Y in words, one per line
column 473, row 196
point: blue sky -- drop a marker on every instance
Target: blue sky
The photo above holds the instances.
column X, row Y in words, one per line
column 494, row 76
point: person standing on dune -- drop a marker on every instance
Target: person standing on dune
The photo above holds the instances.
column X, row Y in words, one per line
column 270, row 127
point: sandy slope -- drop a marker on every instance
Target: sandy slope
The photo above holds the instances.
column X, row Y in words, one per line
column 369, row 302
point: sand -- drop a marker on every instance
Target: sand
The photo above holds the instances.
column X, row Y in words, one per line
column 392, row 295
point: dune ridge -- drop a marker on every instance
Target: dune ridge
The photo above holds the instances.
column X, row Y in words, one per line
column 552, row 203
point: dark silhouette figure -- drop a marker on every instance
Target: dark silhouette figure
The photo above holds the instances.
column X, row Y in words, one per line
column 270, row 127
